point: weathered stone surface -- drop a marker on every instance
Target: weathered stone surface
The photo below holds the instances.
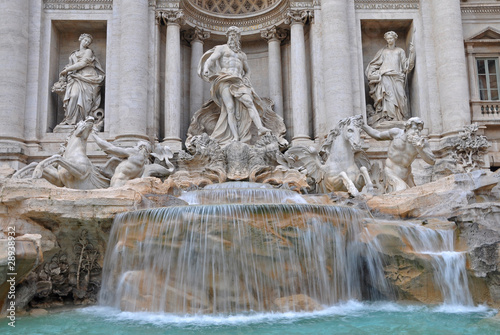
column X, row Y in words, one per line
column 441, row 198
column 38, row 312
column 26, row 291
column 297, row 303
column 409, row 273
column 479, row 228
column 28, row 256
column 6, row 171
column 49, row 220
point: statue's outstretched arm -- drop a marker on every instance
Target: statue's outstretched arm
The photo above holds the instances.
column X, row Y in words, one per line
column 380, row 135
column 427, row 154
column 110, row 148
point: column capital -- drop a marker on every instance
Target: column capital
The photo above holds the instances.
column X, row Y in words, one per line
column 170, row 16
column 273, row 34
column 301, row 16
column 195, row 35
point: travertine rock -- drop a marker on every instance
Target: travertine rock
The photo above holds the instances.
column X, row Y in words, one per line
column 28, row 256
column 479, row 227
column 6, row 171
column 440, row 198
column 38, row 312
column 56, row 217
column 48, row 219
column 298, row 302
column 410, row 274
column 471, row 201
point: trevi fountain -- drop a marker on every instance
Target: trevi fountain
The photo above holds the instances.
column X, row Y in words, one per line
column 249, row 166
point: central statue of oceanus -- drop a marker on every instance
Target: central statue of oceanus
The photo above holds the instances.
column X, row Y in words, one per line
column 242, row 115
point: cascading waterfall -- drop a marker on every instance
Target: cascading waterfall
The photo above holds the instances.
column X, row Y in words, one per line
column 235, row 257
column 450, row 273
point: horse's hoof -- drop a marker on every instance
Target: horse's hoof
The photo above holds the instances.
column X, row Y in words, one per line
column 353, row 194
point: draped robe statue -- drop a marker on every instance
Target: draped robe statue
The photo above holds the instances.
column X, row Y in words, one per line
column 80, row 83
column 386, row 75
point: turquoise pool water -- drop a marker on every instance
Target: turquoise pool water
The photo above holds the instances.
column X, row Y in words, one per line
column 348, row 318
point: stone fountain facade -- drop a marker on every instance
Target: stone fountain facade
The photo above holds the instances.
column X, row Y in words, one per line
column 317, row 68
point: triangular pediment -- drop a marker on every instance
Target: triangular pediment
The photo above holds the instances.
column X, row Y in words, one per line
column 486, row 34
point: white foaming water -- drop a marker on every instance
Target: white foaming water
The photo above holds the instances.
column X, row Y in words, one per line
column 350, row 308
column 241, row 192
column 449, row 266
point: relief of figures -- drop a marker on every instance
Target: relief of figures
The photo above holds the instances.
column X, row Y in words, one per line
column 80, row 84
column 387, row 75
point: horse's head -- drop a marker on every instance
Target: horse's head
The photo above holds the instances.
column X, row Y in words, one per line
column 350, row 129
column 84, row 128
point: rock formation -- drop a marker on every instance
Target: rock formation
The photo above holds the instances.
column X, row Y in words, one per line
column 49, row 222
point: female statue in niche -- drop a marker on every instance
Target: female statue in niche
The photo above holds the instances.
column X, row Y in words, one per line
column 386, row 75
column 80, row 83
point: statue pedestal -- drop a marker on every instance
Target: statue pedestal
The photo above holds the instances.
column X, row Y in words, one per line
column 174, row 144
column 63, row 128
column 302, row 141
column 384, row 125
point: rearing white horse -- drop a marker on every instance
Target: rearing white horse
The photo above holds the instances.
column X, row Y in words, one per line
column 72, row 168
column 335, row 167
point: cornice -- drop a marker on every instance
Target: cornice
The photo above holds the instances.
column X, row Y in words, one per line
column 480, row 9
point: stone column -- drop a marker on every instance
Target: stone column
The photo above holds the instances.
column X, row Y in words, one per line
column 173, row 20
column 274, row 36
column 450, row 65
column 131, row 124
column 336, row 61
column 14, row 46
column 300, row 108
column 195, row 37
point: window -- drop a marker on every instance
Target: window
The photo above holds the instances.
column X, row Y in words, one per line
column 487, row 71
